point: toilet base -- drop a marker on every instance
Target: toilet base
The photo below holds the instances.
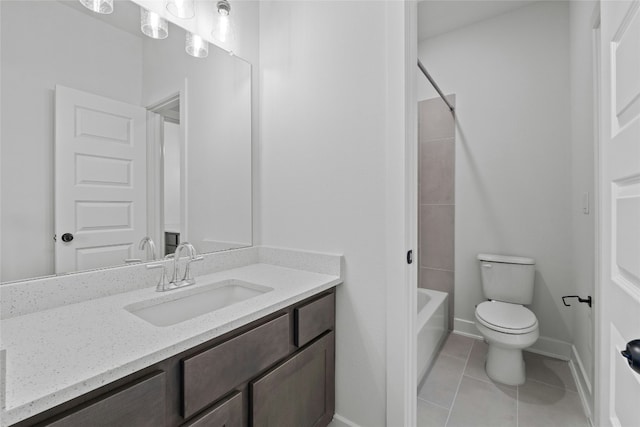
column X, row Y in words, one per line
column 505, row 365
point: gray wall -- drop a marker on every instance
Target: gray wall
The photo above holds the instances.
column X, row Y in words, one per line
column 513, row 195
column 436, row 196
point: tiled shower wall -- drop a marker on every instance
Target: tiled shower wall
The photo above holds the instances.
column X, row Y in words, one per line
column 436, row 197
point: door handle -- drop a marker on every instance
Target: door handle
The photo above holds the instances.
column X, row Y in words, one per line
column 67, row 237
column 632, row 354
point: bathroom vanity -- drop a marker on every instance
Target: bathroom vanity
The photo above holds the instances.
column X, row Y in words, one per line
column 85, row 338
column 265, row 360
column 278, row 370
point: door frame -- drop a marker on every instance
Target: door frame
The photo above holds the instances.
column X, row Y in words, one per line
column 598, row 256
column 155, row 165
column 401, row 212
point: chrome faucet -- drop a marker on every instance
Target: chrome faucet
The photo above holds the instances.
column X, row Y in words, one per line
column 148, row 241
column 191, row 253
column 177, row 281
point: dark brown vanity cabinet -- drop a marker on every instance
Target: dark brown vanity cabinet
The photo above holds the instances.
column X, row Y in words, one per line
column 209, row 375
column 141, row 403
column 276, row 371
column 299, row 391
column 227, row 413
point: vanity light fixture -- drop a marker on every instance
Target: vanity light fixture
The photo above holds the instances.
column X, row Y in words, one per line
column 224, row 8
column 196, row 46
column 222, row 31
column 152, row 25
column 183, row 9
column 99, row 6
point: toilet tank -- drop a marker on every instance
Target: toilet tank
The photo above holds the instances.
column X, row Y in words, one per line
column 507, row 278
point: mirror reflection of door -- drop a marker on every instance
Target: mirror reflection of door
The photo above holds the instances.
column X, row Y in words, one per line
column 100, row 181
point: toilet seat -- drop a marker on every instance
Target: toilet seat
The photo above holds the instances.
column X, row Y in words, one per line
column 507, row 318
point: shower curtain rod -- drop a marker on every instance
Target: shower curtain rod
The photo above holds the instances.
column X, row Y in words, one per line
column 435, row 85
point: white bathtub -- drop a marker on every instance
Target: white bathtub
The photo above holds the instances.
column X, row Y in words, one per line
column 432, row 327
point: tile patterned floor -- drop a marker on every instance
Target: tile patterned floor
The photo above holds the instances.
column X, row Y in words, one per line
column 457, row 392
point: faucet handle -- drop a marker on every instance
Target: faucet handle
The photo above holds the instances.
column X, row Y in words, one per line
column 162, row 283
column 187, row 270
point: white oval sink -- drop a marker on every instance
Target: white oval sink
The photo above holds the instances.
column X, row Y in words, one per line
column 188, row 303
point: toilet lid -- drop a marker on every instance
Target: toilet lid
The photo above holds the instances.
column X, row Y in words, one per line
column 506, row 317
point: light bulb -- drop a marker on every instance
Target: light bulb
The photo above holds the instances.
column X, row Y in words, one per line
column 152, row 25
column 183, row 9
column 224, row 8
column 99, row 6
column 196, row 46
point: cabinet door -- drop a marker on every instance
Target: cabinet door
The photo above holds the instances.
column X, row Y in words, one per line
column 139, row 404
column 211, row 374
column 227, row 413
column 300, row 391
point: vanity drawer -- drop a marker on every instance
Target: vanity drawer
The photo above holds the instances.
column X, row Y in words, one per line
column 227, row 413
column 211, row 374
column 139, row 404
column 314, row 318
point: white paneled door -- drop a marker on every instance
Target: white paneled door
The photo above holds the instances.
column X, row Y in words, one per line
column 100, row 180
column 619, row 287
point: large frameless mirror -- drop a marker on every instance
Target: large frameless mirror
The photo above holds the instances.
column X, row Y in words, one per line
column 111, row 138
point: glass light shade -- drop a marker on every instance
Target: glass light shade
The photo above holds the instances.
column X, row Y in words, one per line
column 152, row 25
column 98, row 6
column 224, row 8
column 197, row 46
column 222, row 32
column 183, row 9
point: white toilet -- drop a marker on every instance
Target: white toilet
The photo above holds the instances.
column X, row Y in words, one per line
column 504, row 321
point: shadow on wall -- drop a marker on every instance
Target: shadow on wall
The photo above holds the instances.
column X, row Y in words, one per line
column 493, row 227
column 464, row 152
column 354, row 339
column 546, row 305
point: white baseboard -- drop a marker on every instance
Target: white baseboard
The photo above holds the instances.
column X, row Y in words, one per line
column 581, row 378
column 552, row 347
column 546, row 346
column 340, row 421
column 466, row 328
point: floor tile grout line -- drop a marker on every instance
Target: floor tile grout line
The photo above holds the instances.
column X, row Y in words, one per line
column 454, row 356
column 517, row 406
column 433, row 403
column 455, row 396
column 437, row 269
column 552, row 385
column 488, row 381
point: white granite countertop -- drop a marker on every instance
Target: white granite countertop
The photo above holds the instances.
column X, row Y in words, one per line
column 58, row 354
